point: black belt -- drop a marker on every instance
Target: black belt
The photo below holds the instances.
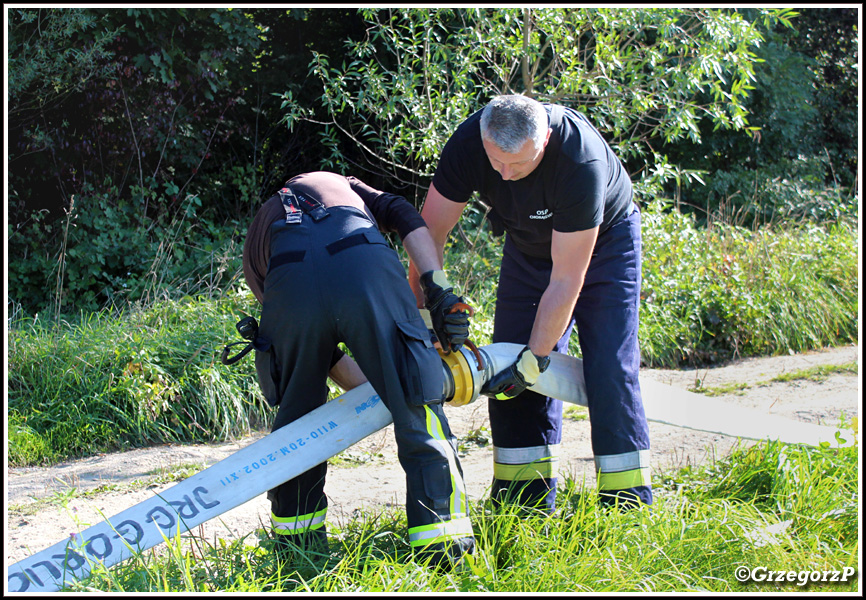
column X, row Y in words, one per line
column 346, row 242
column 294, row 256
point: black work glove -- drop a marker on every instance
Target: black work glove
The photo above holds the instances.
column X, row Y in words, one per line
column 448, row 313
column 514, row 379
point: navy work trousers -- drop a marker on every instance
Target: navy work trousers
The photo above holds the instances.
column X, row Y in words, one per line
column 527, row 430
column 335, row 281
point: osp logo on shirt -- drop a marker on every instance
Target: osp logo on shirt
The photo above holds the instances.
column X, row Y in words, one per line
column 541, row 214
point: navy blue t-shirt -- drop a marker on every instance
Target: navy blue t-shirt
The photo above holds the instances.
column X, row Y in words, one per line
column 579, row 184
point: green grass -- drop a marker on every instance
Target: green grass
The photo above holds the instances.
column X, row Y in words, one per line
column 785, row 508
column 724, row 291
column 110, row 381
column 575, row 413
column 818, row 373
column 354, row 458
column 151, row 374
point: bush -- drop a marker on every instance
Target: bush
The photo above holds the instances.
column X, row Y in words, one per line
column 783, row 191
column 112, row 254
column 726, row 291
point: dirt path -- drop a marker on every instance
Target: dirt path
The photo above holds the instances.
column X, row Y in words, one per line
column 34, row 523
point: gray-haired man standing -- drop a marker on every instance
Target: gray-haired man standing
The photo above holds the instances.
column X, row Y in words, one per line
column 572, row 257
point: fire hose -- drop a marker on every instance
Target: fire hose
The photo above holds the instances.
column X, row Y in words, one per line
column 340, row 423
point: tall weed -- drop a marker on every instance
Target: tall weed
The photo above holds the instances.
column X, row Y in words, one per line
column 112, row 380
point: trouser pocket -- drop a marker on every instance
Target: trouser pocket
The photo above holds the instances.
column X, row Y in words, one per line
column 423, row 379
column 437, row 485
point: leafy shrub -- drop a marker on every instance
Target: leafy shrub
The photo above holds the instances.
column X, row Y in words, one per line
column 726, row 291
column 783, row 191
column 112, row 253
column 120, row 122
column 121, row 98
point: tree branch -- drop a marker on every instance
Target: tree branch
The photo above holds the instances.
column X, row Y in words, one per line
column 524, row 59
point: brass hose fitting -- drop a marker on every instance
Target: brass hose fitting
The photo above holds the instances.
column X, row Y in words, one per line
column 463, row 379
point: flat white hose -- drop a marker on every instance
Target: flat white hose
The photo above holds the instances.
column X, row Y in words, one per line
column 246, row 474
column 674, row 406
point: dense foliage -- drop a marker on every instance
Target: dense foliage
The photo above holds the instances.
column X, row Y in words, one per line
column 142, row 140
column 107, row 381
column 800, row 161
column 645, row 77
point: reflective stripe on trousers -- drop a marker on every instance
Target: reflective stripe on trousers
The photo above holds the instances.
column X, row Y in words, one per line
column 440, row 532
column 299, row 524
column 458, row 505
column 623, row 471
column 522, row 464
column 458, row 525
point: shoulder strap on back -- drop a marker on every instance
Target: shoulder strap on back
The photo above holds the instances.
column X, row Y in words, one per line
column 290, row 204
column 295, row 203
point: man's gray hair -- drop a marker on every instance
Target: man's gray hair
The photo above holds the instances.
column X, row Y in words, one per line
column 508, row 121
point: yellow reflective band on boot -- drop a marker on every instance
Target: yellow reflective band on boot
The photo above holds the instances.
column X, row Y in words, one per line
column 445, row 531
column 457, row 505
column 524, row 464
column 623, row 471
column 299, row 524
column 541, row 469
